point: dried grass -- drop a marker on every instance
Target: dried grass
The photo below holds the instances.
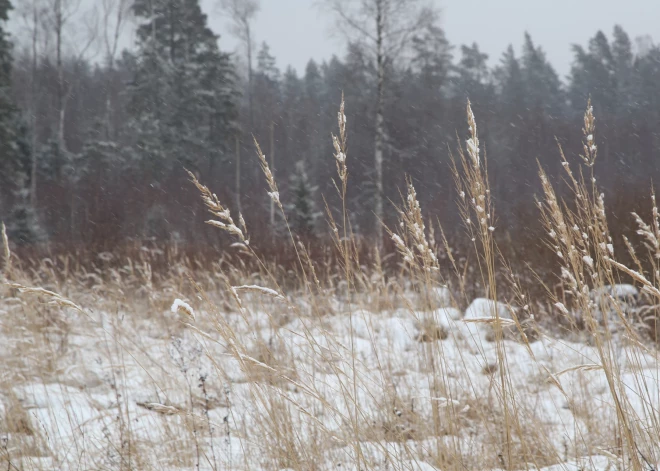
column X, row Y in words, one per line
column 254, row 335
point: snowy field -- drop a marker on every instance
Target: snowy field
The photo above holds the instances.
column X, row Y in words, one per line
column 269, row 387
column 342, row 363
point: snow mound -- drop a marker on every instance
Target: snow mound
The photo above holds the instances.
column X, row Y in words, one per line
column 447, row 315
column 485, row 308
column 441, row 296
column 479, row 316
column 399, row 333
column 623, row 292
column 612, row 299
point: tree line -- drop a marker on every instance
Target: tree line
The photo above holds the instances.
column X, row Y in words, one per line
column 93, row 151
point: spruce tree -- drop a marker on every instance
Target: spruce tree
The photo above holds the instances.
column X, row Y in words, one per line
column 291, row 111
column 7, row 108
column 267, row 93
column 623, row 59
column 22, row 225
column 593, row 75
column 183, row 99
column 541, row 82
column 472, row 79
column 311, row 124
column 432, row 58
column 302, row 211
column 510, row 84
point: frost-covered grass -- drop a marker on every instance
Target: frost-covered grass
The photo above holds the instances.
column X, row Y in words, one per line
column 129, row 390
column 351, row 366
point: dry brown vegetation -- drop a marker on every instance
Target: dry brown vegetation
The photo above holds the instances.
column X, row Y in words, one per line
column 349, row 360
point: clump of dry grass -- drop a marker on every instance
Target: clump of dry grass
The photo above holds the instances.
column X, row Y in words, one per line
column 580, row 237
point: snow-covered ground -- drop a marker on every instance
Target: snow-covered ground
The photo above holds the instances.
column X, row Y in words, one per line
column 270, row 388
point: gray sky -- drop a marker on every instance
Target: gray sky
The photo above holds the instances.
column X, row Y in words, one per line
column 298, row 30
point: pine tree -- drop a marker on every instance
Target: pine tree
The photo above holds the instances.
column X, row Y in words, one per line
column 312, row 114
column 427, row 86
column 266, row 64
column 472, row 72
column 302, row 211
column 182, row 99
column 647, row 85
column 23, row 227
column 7, row 108
column 510, row 144
column 313, row 81
column 432, row 58
column 472, row 80
column 622, row 61
column 510, row 84
column 419, row 115
column 592, row 75
column 22, row 224
column 267, row 93
column 541, row 82
column 292, row 107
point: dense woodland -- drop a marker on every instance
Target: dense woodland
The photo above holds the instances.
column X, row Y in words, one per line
column 93, row 150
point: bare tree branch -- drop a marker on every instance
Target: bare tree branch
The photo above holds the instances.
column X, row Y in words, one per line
column 115, row 16
column 241, row 13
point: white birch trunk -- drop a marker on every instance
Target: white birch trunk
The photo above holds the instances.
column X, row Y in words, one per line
column 380, row 123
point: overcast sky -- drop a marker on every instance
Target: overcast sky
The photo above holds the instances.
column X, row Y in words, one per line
column 298, row 30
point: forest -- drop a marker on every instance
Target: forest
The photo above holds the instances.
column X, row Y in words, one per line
column 95, row 149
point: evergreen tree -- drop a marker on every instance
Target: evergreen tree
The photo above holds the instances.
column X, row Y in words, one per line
column 302, row 211
column 7, row 107
column 313, row 81
column 22, row 224
column 510, row 130
column 646, row 118
column 647, row 85
column 432, row 58
column 292, row 124
column 266, row 65
column 268, row 110
column 472, row 80
column 359, row 71
column 312, row 117
column 182, row 99
column 592, row 75
column 622, row 61
column 510, row 84
column 472, row 74
column 267, row 92
column 541, row 83
column 423, row 108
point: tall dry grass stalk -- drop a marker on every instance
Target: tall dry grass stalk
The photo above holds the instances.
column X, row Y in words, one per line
column 6, row 253
column 478, row 215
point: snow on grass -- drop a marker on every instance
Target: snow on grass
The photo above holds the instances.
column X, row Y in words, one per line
column 90, row 395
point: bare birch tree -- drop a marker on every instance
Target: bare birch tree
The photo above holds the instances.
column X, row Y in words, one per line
column 115, row 15
column 384, row 28
column 65, row 24
column 241, row 14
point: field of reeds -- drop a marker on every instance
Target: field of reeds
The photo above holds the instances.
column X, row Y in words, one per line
column 415, row 360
